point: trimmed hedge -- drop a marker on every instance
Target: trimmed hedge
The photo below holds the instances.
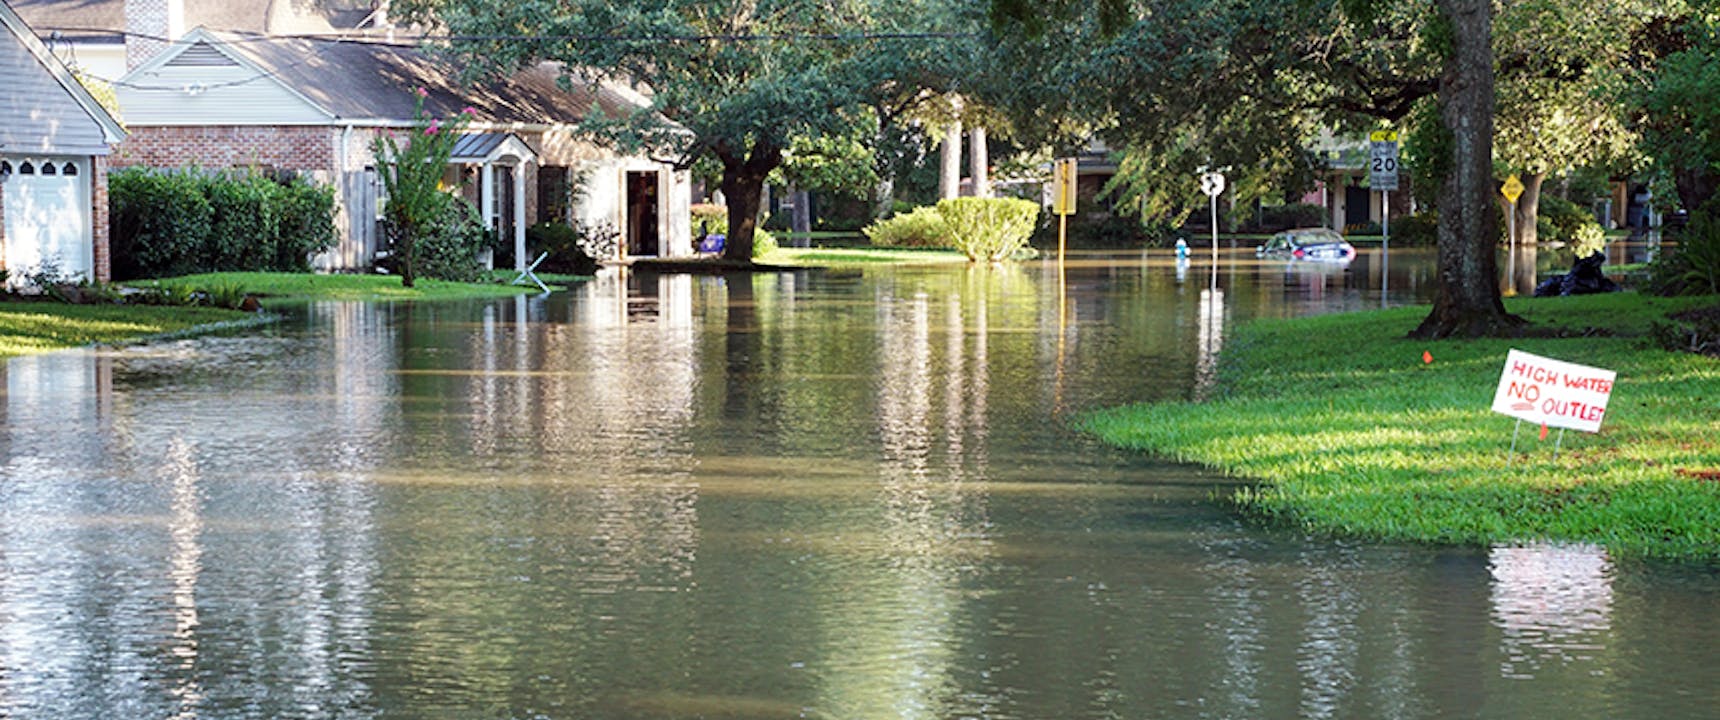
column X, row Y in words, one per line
column 165, row 223
column 922, row 228
column 989, row 229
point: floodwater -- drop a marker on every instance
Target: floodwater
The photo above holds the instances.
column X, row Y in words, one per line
column 822, row 494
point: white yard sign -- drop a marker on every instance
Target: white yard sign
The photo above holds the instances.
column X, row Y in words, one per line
column 1553, row 393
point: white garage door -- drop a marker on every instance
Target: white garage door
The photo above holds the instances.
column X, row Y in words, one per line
column 48, row 216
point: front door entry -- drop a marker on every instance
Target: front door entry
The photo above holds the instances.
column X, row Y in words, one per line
column 642, row 214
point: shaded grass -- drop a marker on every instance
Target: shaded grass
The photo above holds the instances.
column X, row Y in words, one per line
column 307, row 286
column 31, row 327
column 1348, row 431
column 860, row 256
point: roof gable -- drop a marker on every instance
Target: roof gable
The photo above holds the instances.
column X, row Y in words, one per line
column 204, row 79
column 377, row 82
column 47, row 110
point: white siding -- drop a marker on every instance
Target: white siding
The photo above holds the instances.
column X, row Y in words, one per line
column 173, row 94
column 37, row 114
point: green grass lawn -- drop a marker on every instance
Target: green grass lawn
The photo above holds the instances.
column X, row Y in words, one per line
column 821, row 257
column 30, row 327
column 1349, row 432
column 307, row 286
column 27, row 327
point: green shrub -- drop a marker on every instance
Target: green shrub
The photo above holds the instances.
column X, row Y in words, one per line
column 764, row 243
column 446, row 246
column 1559, row 219
column 989, row 229
column 304, row 224
column 1693, row 267
column 1418, row 230
column 709, row 218
column 1291, row 215
column 566, row 248
column 179, row 222
column 922, row 228
column 159, row 221
column 228, row 295
column 714, row 219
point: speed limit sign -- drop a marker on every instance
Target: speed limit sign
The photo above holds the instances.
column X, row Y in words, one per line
column 1383, row 160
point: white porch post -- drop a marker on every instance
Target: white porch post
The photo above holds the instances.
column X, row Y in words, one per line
column 487, row 195
column 520, row 216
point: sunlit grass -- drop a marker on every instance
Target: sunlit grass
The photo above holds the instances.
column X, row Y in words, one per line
column 1348, row 431
column 859, row 256
column 32, row 327
column 347, row 287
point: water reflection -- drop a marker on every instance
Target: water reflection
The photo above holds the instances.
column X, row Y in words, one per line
column 823, row 494
column 1552, row 604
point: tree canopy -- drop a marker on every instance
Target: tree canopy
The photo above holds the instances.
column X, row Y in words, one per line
column 739, row 82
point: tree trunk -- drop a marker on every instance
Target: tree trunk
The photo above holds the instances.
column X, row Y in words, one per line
column 800, row 219
column 743, row 188
column 979, row 158
column 1696, row 186
column 883, row 197
column 1528, row 208
column 1468, row 303
column 950, row 155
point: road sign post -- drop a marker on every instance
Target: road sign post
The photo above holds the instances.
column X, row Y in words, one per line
column 1512, row 189
column 1383, row 175
column 1212, row 184
column 1063, row 186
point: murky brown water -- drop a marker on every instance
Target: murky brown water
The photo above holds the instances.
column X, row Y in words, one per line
column 821, row 494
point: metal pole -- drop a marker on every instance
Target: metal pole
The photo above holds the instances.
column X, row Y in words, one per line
column 1557, row 443
column 1385, row 218
column 1511, row 247
column 1513, row 455
column 1214, row 241
column 1062, row 222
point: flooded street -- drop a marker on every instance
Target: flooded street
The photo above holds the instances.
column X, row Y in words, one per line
column 825, row 494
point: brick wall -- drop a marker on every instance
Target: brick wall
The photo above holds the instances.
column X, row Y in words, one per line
column 99, row 218
column 228, row 146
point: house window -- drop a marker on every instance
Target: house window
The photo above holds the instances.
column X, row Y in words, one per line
column 5, row 167
column 26, row 169
column 69, row 169
column 48, row 168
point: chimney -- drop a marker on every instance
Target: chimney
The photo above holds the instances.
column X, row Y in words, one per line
column 150, row 26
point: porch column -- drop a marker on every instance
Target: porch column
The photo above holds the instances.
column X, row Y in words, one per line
column 487, row 195
column 520, row 216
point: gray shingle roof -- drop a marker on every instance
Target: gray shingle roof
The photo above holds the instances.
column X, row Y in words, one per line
column 360, row 80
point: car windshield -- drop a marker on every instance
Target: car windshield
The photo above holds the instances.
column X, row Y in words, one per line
column 1316, row 236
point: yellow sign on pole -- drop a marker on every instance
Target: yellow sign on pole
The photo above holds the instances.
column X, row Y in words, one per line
column 1063, row 187
column 1512, row 189
column 1383, row 136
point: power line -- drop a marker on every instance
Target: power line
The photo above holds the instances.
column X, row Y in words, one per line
column 237, row 37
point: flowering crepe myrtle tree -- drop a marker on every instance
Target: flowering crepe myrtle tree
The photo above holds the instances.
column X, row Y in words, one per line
column 412, row 169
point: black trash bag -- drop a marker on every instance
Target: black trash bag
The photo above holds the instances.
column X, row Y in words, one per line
column 1585, row 278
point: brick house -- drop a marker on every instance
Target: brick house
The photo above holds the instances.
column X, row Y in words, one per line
column 54, row 141
column 313, row 106
column 312, row 103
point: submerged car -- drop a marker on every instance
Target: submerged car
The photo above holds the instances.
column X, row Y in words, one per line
column 1307, row 244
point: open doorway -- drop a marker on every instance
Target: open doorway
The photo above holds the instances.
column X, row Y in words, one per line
column 642, row 235
column 1356, row 207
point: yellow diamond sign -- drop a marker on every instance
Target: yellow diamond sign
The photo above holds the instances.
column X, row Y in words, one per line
column 1512, row 189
